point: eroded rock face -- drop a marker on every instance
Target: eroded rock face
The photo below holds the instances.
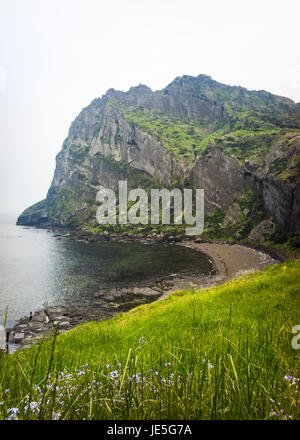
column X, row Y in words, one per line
column 36, row 215
column 278, row 201
column 295, row 221
column 222, row 178
column 233, row 214
column 184, row 98
column 225, row 180
column 103, row 148
column 109, row 136
column 258, row 233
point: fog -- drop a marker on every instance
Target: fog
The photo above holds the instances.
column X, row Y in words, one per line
column 56, row 56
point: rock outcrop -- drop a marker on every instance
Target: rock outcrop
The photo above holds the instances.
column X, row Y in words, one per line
column 195, row 132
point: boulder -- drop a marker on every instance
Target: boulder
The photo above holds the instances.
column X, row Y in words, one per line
column 264, row 227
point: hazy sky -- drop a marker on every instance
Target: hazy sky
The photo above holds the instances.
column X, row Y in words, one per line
column 58, row 55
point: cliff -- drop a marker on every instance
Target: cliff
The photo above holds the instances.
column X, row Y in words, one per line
column 194, row 132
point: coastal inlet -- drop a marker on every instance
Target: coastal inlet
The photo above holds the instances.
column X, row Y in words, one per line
column 76, row 280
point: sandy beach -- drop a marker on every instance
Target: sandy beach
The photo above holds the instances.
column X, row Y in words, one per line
column 232, row 260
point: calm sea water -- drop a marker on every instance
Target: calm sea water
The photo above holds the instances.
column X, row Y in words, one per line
column 36, row 265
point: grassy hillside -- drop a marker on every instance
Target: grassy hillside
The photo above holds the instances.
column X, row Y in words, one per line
column 222, row 353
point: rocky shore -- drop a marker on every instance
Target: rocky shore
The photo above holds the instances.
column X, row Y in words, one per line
column 228, row 260
column 89, row 237
column 103, row 305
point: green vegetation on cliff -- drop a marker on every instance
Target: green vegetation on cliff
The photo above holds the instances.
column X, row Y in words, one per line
column 220, row 353
column 246, row 213
column 182, row 138
column 191, row 118
column 242, row 132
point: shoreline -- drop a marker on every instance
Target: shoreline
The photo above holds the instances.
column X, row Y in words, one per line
column 229, row 260
column 234, row 259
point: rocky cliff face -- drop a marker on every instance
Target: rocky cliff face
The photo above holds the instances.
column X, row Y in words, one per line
column 225, row 180
column 194, row 132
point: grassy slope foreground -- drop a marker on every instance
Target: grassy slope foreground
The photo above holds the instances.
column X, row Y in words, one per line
column 223, row 353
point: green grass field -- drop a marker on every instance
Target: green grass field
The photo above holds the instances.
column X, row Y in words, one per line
column 221, row 353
